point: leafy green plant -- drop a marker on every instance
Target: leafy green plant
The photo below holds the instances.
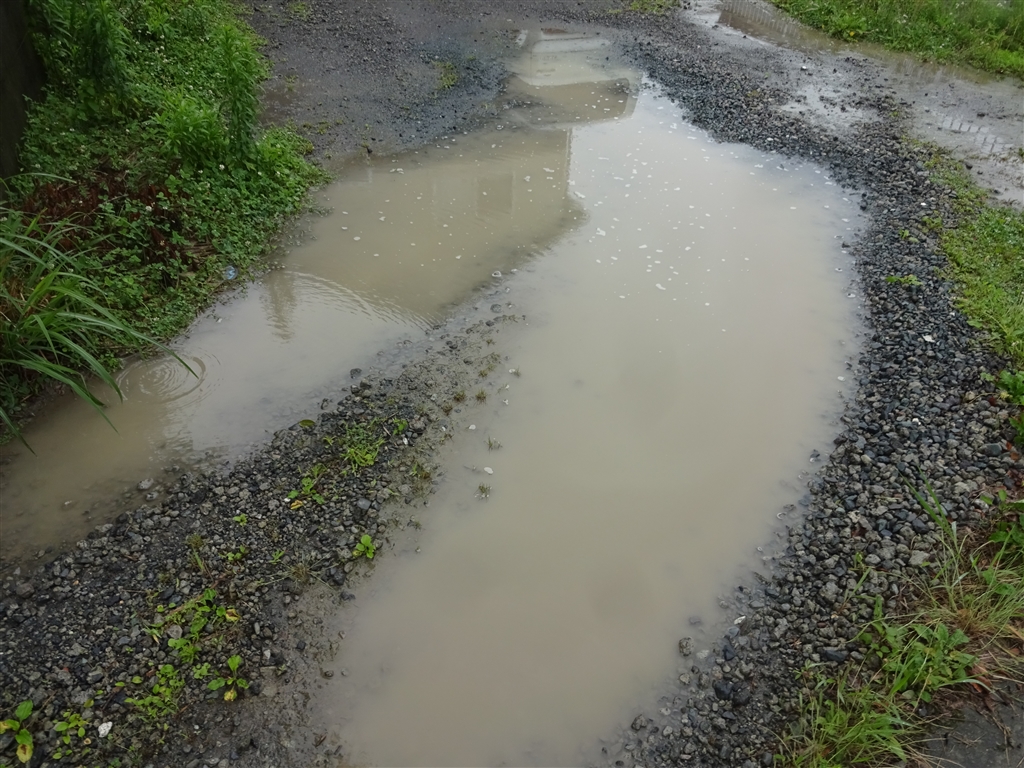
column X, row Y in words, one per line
column 657, row 7
column 400, row 425
column 70, row 727
column 162, row 699
column 22, row 736
column 236, row 555
column 308, row 487
column 232, row 681
column 483, row 490
column 365, row 547
column 919, row 659
column 360, row 446
column 241, row 519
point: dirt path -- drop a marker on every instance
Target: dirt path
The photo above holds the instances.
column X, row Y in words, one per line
column 372, row 77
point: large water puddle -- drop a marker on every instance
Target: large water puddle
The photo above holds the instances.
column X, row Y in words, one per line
column 684, row 348
column 406, row 240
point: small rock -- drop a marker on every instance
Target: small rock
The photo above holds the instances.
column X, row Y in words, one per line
column 723, row 689
column 835, row 654
column 24, row 589
column 145, row 485
column 639, row 723
column 363, row 504
column 686, row 646
column 992, row 449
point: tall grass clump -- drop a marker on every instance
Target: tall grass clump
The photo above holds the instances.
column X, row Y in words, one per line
column 988, row 34
column 147, row 139
column 50, row 327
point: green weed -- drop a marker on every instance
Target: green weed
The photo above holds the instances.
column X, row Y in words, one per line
column 162, row 700
column 365, row 547
column 447, row 75
column 308, row 487
column 966, row 625
column 22, row 737
column 360, row 446
column 232, row 681
column 656, row 7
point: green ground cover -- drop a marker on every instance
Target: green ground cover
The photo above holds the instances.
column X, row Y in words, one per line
column 146, row 175
column 988, row 34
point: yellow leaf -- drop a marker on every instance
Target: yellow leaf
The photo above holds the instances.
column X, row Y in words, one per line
column 230, row 694
column 24, row 752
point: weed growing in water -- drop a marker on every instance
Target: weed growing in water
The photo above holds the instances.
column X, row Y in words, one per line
column 492, row 444
column 481, row 396
column 483, row 490
column 459, row 396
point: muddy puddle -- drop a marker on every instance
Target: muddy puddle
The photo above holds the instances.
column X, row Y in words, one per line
column 682, row 354
column 405, row 241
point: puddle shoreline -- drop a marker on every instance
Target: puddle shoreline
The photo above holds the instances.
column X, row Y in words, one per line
column 914, row 338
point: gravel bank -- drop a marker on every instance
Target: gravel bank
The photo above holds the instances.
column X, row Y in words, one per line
column 87, row 619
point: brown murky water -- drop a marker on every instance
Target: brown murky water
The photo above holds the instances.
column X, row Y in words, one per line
column 685, row 347
column 406, row 241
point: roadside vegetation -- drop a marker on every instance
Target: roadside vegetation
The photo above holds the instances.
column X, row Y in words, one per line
column 961, row 631
column 987, row 34
column 147, row 183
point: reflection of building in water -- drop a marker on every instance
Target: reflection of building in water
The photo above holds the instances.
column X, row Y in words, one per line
column 419, row 233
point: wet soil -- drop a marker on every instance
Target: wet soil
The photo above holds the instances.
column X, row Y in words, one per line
column 363, row 79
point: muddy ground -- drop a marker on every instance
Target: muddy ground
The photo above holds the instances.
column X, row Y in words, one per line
column 366, row 77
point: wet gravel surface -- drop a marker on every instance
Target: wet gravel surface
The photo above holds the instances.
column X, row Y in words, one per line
column 101, row 616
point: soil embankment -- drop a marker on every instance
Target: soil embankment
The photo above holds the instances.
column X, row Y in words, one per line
column 372, row 78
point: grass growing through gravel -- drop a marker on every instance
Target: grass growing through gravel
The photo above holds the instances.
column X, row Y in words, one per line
column 655, row 7
column 966, row 631
column 145, row 170
column 988, row 34
column 986, row 258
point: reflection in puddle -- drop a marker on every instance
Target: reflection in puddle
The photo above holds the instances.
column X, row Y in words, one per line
column 681, row 359
column 407, row 239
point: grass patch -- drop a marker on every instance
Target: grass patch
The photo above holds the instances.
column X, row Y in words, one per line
column 966, row 629
column 447, row 75
column 986, row 259
column 988, row 34
column 656, row 7
column 145, row 169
